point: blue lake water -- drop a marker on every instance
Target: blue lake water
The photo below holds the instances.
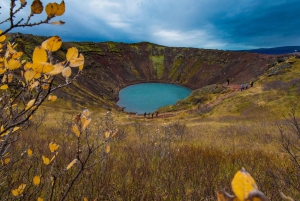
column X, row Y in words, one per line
column 147, row 97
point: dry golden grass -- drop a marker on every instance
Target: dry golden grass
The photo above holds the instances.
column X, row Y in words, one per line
column 152, row 159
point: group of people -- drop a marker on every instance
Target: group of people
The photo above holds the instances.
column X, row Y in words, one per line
column 245, row 86
column 156, row 114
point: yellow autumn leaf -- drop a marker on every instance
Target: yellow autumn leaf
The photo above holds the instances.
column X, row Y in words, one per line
column 28, row 65
column 29, row 75
column 37, row 75
column 17, row 55
column 2, row 38
column 2, row 69
column 5, row 63
column 61, row 9
column 13, row 64
column 30, row 104
column 45, row 86
column 51, row 9
column 39, row 55
column 85, row 199
column 15, row 129
column 46, row 77
column 66, row 72
column 6, row 161
column 52, row 44
column 77, row 61
column 72, row 53
column 19, row 190
column 107, row 149
column 53, row 147
column 75, row 129
column 4, row 87
column 1, row 128
column 4, row 79
column 10, row 48
column 80, row 67
column 42, row 67
column 40, row 199
column 46, row 160
column 10, row 77
column 37, row 7
column 82, row 119
column 6, row 133
column 29, row 152
column 33, row 85
column 36, row 180
column 53, row 157
column 58, row 68
column 86, row 123
column 71, row 164
column 52, row 98
column 107, row 134
column 86, row 112
column 114, row 134
column 242, row 184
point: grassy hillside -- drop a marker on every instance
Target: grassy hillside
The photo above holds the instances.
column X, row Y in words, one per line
column 189, row 152
column 194, row 152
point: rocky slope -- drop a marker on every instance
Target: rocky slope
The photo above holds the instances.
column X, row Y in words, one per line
column 111, row 66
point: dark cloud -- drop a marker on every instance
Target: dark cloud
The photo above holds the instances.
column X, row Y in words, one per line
column 230, row 24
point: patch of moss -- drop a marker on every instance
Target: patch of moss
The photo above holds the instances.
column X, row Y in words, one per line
column 149, row 47
column 176, row 64
column 194, row 69
column 158, row 65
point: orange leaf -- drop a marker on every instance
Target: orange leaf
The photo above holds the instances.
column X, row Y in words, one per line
column 23, row 2
column 37, row 7
column 51, row 9
column 61, row 9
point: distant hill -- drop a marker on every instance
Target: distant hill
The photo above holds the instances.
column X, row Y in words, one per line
column 275, row 50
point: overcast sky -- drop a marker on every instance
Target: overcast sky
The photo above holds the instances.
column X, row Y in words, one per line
column 209, row 24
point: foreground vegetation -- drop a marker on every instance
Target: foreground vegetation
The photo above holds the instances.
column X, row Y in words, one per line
column 105, row 155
